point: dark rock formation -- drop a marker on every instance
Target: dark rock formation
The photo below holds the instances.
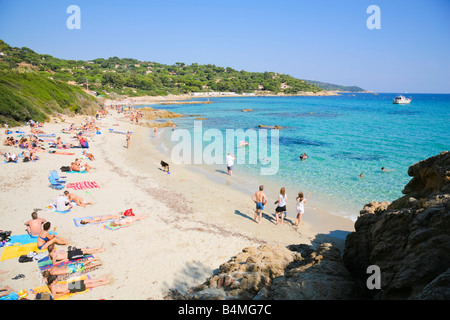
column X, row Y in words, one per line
column 409, row 240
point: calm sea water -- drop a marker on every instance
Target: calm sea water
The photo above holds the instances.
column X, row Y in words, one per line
column 343, row 136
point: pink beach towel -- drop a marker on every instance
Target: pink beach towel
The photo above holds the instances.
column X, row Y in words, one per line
column 83, row 185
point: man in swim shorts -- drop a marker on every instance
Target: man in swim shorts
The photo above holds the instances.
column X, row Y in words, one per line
column 260, row 199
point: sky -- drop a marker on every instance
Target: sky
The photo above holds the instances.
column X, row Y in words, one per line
column 324, row 40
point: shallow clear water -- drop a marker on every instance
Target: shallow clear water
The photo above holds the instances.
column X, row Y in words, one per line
column 343, row 136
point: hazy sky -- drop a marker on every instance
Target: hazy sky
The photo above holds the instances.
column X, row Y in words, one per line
column 326, row 40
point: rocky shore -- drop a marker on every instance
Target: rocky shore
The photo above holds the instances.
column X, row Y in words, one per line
column 408, row 240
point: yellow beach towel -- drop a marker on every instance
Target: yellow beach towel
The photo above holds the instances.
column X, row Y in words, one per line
column 17, row 251
column 45, row 288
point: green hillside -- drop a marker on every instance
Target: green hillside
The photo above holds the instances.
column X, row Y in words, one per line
column 25, row 96
column 134, row 78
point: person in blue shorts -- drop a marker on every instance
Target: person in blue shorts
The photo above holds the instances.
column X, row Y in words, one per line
column 260, row 200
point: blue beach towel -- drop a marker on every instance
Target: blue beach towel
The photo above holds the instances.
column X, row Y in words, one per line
column 65, row 211
column 22, row 238
column 11, row 296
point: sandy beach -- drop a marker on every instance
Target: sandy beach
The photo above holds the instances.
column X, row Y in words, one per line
column 194, row 223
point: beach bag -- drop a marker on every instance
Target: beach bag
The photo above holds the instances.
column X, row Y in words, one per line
column 4, row 235
column 25, row 258
column 128, row 212
column 64, row 168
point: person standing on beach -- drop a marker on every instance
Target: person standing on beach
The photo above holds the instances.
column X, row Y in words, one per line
column 300, row 207
column 128, row 139
column 260, row 199
column 230, row 161
column 281, row 208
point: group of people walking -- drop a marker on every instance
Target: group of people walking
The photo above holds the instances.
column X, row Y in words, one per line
column 260, row 200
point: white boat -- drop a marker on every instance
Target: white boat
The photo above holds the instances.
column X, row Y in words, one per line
column 402, row 100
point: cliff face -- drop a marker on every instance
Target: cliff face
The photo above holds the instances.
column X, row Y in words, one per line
column 408, row 240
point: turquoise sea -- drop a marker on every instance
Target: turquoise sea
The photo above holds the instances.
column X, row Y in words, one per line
column 343, row 136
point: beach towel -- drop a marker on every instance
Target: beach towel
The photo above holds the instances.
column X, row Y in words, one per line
column 114, row 228
column 64, row 153
column 22, row 239
column 45, row 288
column 52, row 207
column 77, row 221
column 83, row 185
column 76, row 171
column 17, row 251
column 63, row 212
column 46, row 263
column 11, row 296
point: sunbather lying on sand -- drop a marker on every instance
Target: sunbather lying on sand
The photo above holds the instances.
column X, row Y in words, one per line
column 86, row 165
column 11, row 157
column 88, row 155
column 60, row 145
column 75, row 167
column 78, row 200
column 101, row 218
column 66, row 255
column 123, row 221
column 36, row 131
column 9, row 141
column 60, row 289
column 72, row 267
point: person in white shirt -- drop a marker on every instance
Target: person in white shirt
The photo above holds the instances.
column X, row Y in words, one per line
column 281, row 208
column 230, row 162
column 63, row 203
column 300, row 207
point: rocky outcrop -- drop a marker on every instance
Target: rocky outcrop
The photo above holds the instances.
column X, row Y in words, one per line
column 279, row 272
column 149, row 113
column 409, row 240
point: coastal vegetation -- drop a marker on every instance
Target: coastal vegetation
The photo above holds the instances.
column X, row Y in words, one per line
column 34, row 85
column 30, row 95
column 126, row 76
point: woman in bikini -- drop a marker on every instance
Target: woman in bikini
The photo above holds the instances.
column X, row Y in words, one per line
column 123, row 221
column 45, row 238
column 104, row 218
column 60, row 289
column 78, row 200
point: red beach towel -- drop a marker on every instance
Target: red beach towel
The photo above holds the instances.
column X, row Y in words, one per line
column 83, row 185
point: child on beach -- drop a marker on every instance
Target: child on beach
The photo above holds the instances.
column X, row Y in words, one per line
column 300, row 207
